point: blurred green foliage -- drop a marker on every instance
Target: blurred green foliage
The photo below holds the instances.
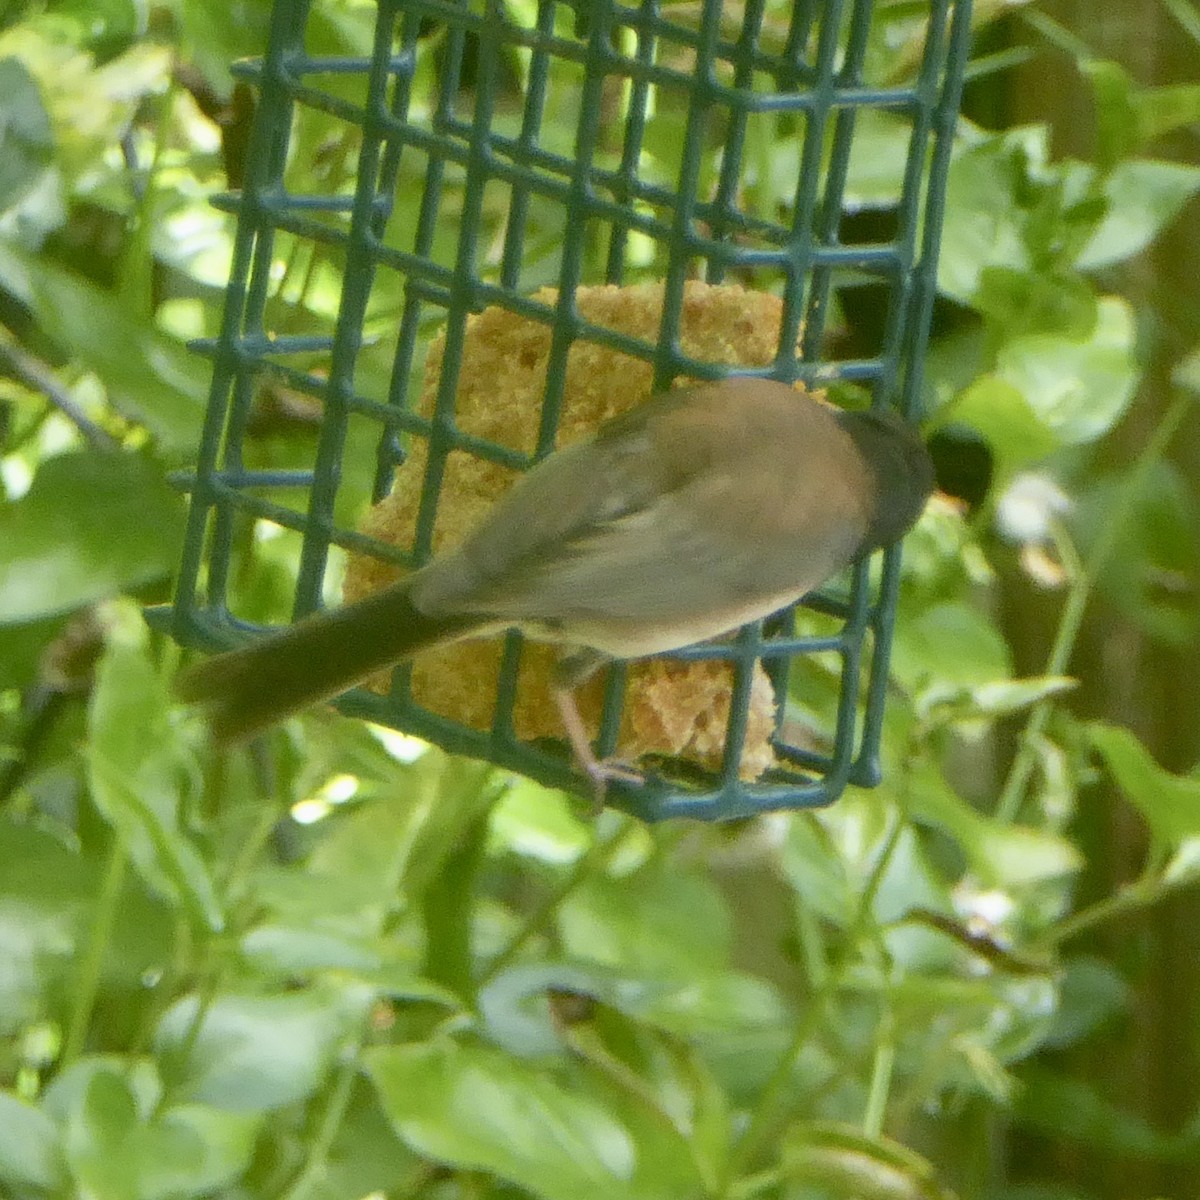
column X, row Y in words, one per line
column 337, row 965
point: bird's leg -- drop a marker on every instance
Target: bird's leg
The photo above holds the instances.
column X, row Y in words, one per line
column 571, row 673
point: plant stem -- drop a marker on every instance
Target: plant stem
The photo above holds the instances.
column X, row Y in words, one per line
column 881, row 1078
column 1069, row 624
column 39, row 376
column 1185, row 16
column 333, row 1114
column 767, row 1115
column 1133, row 896
column 594, row 860
column 1058, row 35
column 88, row 983
column 1083, row 581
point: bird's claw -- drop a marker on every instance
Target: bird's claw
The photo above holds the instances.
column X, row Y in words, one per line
column 603, row 771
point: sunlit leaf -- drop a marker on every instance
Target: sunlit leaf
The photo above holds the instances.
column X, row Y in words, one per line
column 30, row 1147
column 1004, row 696
column 984, row 225
column 849, row 1162
column 150, row 378
column 920, row 657
column 537, row 823
column 657, row 919
column 91, row 525
column 26, row 142
column 473, row 1108
column 1143, row 197
column 255, row 1053
column 1002, row 854
column 137, row 777
column 1079, row 388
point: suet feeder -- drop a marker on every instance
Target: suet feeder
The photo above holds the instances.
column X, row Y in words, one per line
column 764, row 182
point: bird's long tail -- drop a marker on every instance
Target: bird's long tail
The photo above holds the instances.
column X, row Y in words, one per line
column 247, row 690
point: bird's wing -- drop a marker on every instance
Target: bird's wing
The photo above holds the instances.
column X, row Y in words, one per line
column 692, row 502
column 561, row 500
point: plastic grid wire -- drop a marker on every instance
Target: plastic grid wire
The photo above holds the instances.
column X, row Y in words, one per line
column 718, row 76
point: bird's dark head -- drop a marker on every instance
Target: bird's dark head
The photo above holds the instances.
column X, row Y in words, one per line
column 900, row 468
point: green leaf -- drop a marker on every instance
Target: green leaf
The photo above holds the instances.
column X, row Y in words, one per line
column 815, row 871
column 1003, row 855
column 226, row 1141
column 99, row 1126
column 1130, row 117
column 167, row 860
column 476, row 1109
column 136, row 776
column 91, row 525
column 1006, row 419
column 848, row 1162
column 1019, row 302
column 984, row 225
column 151, row 378
column 1071, row 1110
column 1186, row 374
column 66, row 1095
column 1170, row 803
column 256, row 1053
column 658, row 920
column 103, row 23
column 22, row 647
column 122, row 1146
column 367, row 1158
column 1005, row 696
column 300, row 950
column 90, row 106
column 1153, row 573
column 1184, row 865
column 1143, row 196
column 26, row 140
column 537, row 822
column 455, row 793
column 715, row 1006
column 1162, row 110
column 1092, row 993
column 30, row 1149
column 213, row 41
column 44, row 892
column 878, row 156
column 366, row 853
column 1079, row 388
column 920, row 657
column 1116, row 119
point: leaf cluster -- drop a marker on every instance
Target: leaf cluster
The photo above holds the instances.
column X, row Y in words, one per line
column 342, row 964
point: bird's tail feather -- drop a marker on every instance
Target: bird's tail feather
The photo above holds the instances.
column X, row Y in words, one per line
column 247, row 690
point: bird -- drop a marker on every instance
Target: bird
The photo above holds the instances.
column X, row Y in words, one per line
column 699, row 510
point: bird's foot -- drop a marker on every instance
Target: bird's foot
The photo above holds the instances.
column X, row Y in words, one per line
column 603, row 771
column 600, row 771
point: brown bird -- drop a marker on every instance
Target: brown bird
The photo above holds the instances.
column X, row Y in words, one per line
column 700, row 510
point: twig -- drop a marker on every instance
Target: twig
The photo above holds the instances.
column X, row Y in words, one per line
column 36, row 374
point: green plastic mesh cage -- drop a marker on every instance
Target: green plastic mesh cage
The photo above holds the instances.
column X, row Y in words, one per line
column 484, row 149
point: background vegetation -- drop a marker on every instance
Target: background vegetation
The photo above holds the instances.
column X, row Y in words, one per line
column 335, row 966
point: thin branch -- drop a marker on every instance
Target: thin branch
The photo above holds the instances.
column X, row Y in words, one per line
column 34, row 373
